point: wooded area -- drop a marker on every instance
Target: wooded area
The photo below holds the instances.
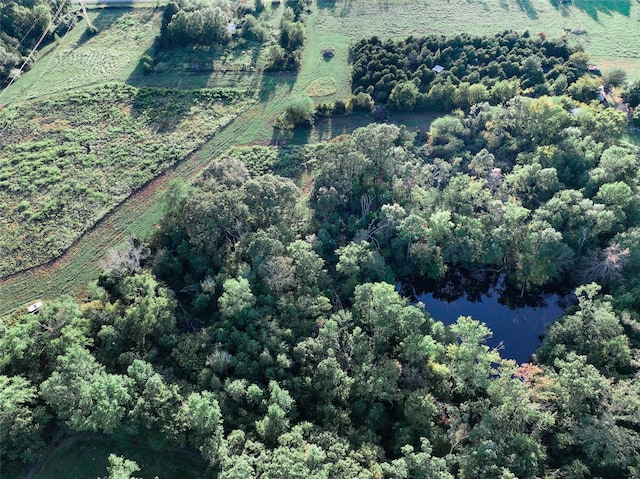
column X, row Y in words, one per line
column 265, row 330
column 260, row 325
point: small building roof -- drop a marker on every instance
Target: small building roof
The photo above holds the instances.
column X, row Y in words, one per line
column 438, row 68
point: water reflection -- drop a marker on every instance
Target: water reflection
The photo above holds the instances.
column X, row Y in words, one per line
column 517, row 321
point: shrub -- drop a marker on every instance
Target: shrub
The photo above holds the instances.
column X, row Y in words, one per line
column 324, row 109
column 403, row 96
column 298, row 113
column 339, row 108
column 360, row 102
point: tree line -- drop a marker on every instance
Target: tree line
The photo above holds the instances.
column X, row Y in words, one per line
column 22, row 24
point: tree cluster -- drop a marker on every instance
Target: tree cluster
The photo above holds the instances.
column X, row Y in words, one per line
column 191, row 23
column 22, row 24
column 262, row 326
column 287, row 53
column 267, row 374
column 476, row 69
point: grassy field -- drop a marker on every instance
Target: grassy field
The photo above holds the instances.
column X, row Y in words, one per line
column 613, row 26
column 66, row 162
column 87, row 459
column 79, row 61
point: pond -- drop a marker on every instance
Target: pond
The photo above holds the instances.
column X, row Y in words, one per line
column 517, row 321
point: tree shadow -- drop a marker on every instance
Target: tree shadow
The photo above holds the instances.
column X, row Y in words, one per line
column 104, row 21
column 274, row 84
column 163, row 109
column 326, row 4
column 596, row 8
column 527, row 7
column 192, row 67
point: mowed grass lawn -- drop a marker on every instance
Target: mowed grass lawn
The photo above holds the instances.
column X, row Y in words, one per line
column 79, row 61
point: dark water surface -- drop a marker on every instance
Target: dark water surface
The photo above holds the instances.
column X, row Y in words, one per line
column 517, row 322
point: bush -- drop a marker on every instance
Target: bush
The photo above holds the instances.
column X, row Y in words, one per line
column 298, row 113
column 631, row 95
column 635, row 119
column 324, row 109
column 585, row 89
column 403, row 96
column 339, row 108
column 360, row 102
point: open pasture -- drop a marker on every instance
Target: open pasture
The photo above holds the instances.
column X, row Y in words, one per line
column 80, row 61
column 612, row 26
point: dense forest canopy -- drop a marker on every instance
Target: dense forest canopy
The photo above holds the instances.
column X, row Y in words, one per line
column 260, row 323
column 439, row 73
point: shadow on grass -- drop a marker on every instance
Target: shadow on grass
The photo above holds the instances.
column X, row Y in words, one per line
column 527, row 7
column 104, row 21
column 330, row 127
column 276, row 84
column 192, row 67
column 595, row 8
column 86, row 456
column 327, row 4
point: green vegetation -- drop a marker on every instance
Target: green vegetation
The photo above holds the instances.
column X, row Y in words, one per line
column 24, row 26
column 67, row 162
column 78, row 61
column 264, row 330
column 251, row 327
column 470, row 70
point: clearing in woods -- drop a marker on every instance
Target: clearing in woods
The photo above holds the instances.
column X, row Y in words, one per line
column 87, row 456
column 611, row 36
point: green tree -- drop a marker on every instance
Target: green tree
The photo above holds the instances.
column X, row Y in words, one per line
column 84, row 395
column 298, row 112
column 146, row 317
column 121, row 468
column 237, row 300
column 202, row 416
column 585, row 89
column 631, row 94
column 154, row 405
column 594, row 331
column 31, row 345
column 469, row 360
column 403, row 96
column 22, row 421
column 614, row 78
column 276, row 421
column 359, row 263
column 504, row 90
